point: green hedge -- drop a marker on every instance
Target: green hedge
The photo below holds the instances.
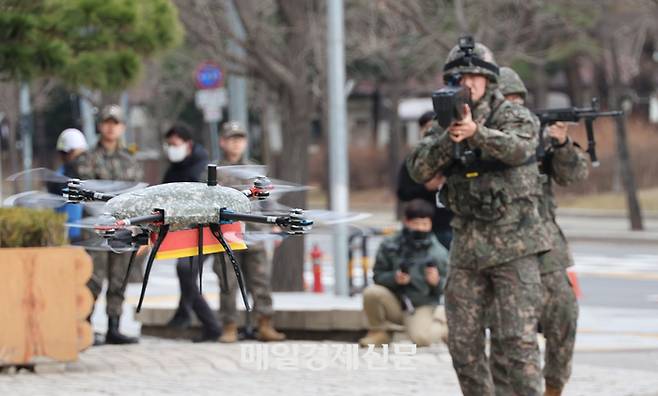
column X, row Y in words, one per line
column 24, row 227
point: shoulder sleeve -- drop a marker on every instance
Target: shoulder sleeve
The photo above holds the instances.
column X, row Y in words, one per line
column 432, row 154
column 569, row 164
column 133, row 170
column 384, row 270
column 84, row 166
column 440, row 254
column 514, row 138
column 408, row 189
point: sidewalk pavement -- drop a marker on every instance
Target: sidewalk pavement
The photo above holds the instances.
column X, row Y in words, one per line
column 600, row 329
column 157, row 367
column 577, row 224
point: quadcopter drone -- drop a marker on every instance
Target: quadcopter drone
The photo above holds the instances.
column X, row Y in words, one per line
column 184, row 220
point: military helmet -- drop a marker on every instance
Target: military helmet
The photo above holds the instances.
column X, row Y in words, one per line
column 510, row 83
column 470, row 57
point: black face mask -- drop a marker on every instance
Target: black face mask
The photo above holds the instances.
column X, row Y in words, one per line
column 416, row 236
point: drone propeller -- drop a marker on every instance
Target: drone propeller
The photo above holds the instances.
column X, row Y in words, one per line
column 104, row 186
column 105, row 244
column 99, row 223
column 240, row 172
column 238, row 176
column 319, row 216
column 277, row 186
column 35, row 199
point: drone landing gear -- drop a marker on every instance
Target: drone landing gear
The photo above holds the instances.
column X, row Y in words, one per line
column 161, row 236
column 200, row 256
column 217, row 232
column 130, row 265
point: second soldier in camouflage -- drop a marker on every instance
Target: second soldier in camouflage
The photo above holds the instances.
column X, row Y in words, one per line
column 565, row 163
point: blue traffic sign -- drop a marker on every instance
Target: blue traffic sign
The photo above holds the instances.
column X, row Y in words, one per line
column 208, row 75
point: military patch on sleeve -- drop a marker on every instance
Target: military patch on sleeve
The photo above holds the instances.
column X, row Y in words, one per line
column 520, row 119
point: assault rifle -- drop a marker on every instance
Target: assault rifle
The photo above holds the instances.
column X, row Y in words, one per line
column 574, row 114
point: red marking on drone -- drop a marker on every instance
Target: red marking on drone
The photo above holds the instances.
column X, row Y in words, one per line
column 184, row 243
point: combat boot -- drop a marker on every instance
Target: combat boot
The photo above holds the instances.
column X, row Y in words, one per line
column 266, row 332
column 550, row 391
column 375, row 337
column 229, row 333
column 113, row 335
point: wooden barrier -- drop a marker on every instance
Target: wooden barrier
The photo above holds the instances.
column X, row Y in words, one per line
column 44, row 303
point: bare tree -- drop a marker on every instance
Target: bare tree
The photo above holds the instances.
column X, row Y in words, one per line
column 279, row 47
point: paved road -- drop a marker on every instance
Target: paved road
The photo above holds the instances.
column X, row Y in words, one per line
column 157, row 367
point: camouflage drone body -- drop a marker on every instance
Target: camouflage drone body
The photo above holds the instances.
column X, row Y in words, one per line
column 201, row 204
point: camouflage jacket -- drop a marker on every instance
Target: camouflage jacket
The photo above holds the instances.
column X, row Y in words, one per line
column 565, row 165
column 228, row 180
column 104, row 165
column 496, row 210
column 398, row 249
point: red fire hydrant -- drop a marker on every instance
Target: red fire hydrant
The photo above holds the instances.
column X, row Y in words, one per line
column 574, row 283
column 316, row 259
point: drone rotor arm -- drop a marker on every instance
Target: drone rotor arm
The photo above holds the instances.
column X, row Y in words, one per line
column 293, row 223
column 74, row 193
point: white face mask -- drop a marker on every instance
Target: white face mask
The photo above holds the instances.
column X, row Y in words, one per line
column 176, row 153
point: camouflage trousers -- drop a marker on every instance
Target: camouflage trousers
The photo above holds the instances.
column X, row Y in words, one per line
column 256, row 270
column 558, row 321
column 113, row 267
column 514, row 286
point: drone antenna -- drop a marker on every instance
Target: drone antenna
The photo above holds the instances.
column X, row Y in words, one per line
column 217, row 232
column 212, row 174
column 161, row 236
column 200, row 256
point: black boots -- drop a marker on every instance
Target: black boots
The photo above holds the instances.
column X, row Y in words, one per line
column 113, row 335
column 180, row 321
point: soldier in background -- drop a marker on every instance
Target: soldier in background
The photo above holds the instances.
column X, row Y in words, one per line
column 110, row 160
column 253, row 261
column 565, row 163
column 497, row 232
column 409, row 190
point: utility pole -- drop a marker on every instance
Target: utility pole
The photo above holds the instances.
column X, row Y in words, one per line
column 237, row 85
column 25, row 111
column 87, row 116
column 338, row 160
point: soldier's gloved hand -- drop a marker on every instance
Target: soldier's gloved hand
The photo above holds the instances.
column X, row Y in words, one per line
column 432, row 276
column 463, row 129
column 558, row 131
column 401, row 278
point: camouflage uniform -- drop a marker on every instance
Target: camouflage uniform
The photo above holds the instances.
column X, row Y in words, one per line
column 497, row 236
column 565, row 165
column 256, row 269
column 118, row 165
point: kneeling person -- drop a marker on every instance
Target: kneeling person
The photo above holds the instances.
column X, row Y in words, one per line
column 409, row 274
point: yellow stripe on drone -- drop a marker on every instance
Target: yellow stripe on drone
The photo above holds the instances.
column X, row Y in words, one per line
column 193, row 251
